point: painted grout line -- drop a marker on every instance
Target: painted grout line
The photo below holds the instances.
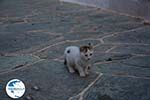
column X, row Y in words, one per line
column 35, row 56
column 107, row 51
column 62, row 42
column 106, row 36
column 115, row 33
column 97, row 44
column 31, row 51
column 46, row 32
column 81, row 94
column 58, row 43
column 122, row 14
column 16, row 54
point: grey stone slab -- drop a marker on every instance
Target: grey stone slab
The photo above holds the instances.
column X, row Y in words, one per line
column 131, row 7
column 119, row 27
column 133, row 49
column 39, row 22
column 101, row 57
column 82, row 35
column 24, row 27
column 12, row 42
column 57, row 19
column 22, row 7
column 50, row 12
column 104, row 57
column 25, row 7
column 53, row 79
column 13, row 62
column 11, row 11
column 137, row 36
column 105, row 27
column 100, row 14
column 101, row 54
column 87, row 21
column 102, row 48
column 141, row 62
column 132, row 66
column 58, row 50
column 119, row 88
column 112, row 19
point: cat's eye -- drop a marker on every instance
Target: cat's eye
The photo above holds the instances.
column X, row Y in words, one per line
column 90, row 54
column 86, row 55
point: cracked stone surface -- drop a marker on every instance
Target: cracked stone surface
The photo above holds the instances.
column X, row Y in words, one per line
column 34, row 34
column 14, row 62
column 119, row 88
column 53, row 79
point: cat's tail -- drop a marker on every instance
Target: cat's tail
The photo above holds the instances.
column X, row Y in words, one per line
column 65, row 61
column 65, row 54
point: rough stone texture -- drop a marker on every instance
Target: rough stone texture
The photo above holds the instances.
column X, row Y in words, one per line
column 15, row 41
column 135, row 36
column 133, row 49
column 53, row 79
column 119, row 88
column 124, row 69
column 34, row 34
column 138, row 8
column 14, row 62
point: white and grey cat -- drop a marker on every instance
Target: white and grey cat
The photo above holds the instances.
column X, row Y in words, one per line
column 78, row 58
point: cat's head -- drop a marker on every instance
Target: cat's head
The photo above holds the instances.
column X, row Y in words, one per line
column 86, row 51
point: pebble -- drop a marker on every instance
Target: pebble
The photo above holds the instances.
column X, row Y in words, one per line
column 109, row 59
column 28, row 97
column 36, row 88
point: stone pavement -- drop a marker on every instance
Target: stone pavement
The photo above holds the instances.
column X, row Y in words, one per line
column 34, row 34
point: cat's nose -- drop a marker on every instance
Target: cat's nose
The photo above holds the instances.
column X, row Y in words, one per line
column 88, row 58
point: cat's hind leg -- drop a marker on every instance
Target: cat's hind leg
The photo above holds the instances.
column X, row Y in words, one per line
column 70, row 67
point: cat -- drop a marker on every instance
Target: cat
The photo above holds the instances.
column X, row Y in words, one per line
column 79, row 58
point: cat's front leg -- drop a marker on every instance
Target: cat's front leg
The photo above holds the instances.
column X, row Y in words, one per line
column 87, row 68
column 80, row 70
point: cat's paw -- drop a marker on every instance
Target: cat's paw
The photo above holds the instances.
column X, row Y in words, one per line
column 87, row 73
column 72, row 71
column 82, row 75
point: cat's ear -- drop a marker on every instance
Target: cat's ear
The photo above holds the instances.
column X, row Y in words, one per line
column 82, row 49
column 90, row 45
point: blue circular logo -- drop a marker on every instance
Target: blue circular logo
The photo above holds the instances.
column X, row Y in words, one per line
column 15, row 88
